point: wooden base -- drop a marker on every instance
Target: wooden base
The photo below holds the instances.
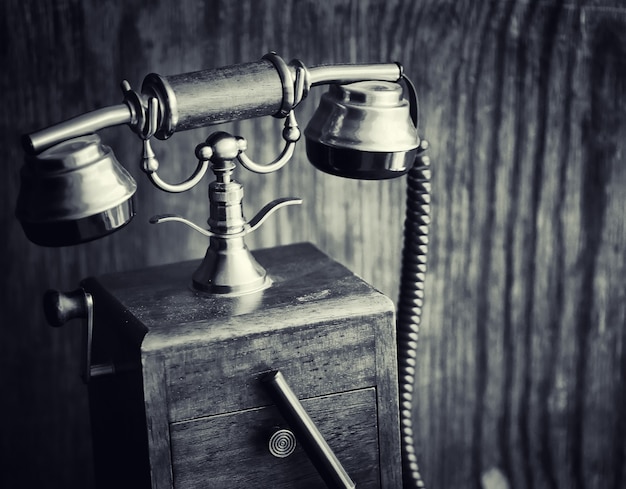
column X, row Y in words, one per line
column 186, row 407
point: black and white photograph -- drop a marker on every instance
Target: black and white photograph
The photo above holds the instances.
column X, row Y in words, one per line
column 301, row 244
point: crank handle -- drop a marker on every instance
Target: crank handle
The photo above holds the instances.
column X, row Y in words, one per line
column 60, row 307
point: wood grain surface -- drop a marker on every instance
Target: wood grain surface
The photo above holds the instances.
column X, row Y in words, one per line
column 522, row 362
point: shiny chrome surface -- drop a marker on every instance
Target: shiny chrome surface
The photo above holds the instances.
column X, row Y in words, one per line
column 343, row 73
column 291, row 135
column 229, row 268
column 362, row 130
column 368, row 116
column 248, row 227
column 74, row 192
column 81, row 125
column 150, row 163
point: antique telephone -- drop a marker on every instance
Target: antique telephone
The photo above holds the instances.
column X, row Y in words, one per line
column 157, row 359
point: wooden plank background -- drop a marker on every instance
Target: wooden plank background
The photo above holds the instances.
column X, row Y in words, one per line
column 522, row 358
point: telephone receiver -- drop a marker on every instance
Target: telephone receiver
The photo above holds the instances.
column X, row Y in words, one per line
column 74, row 190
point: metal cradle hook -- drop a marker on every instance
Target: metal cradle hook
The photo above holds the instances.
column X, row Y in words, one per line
column 150, row 163
column 291, row 135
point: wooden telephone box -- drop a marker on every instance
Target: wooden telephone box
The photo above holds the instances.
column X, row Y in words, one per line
column 177, row 393
column 291, row 386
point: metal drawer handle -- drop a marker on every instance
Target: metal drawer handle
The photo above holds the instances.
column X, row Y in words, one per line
column 314, row 444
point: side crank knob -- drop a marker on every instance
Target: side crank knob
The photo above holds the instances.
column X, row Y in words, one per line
column 60, row 307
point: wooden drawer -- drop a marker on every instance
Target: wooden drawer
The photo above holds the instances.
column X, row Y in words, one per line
column 313, row 357
column 231, row 450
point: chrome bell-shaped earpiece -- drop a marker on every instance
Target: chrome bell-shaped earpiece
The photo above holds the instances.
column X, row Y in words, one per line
column 74, row 192
column 362, row 130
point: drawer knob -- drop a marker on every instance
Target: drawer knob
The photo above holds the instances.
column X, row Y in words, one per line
column 282, row 443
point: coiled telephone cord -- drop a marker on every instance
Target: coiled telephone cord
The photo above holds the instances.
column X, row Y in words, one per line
column 410, row 305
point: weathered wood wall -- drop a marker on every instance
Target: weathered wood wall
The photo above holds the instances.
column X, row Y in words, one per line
column 522, row 364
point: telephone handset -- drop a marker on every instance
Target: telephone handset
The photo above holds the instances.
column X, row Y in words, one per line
column 73, row 189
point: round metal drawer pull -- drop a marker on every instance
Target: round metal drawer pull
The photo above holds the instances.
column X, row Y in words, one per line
column 282, row 443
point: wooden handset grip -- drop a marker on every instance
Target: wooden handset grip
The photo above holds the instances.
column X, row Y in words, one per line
column 201, row 98
column 307, row 434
